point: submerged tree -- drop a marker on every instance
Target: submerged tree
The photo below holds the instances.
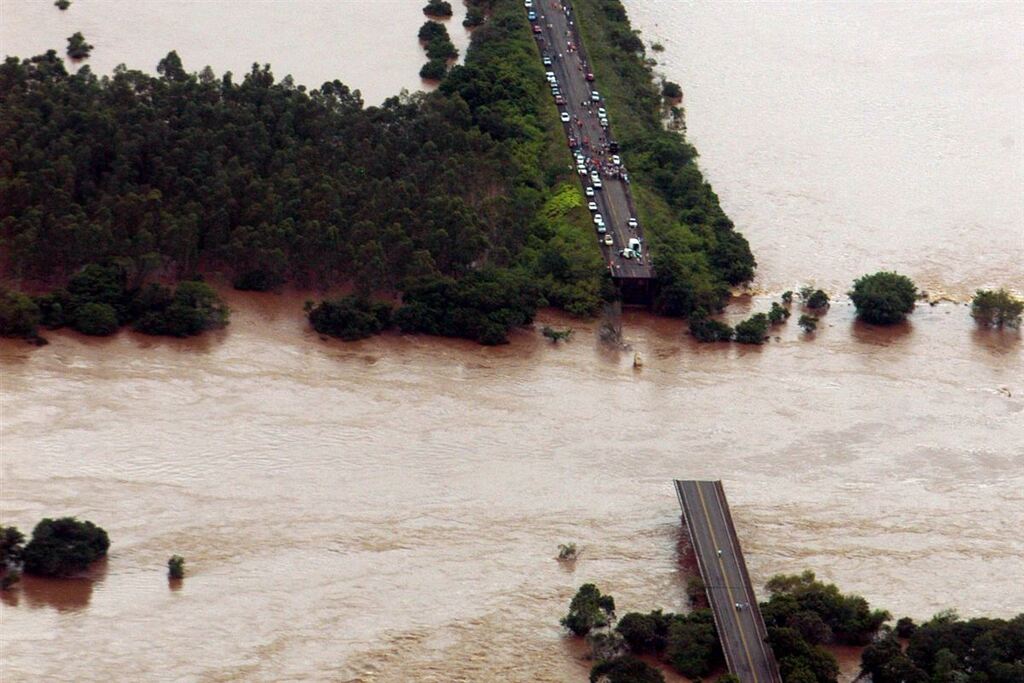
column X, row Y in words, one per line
column 77, row 47
column 438, row 8
column 11, row 549
column 557, row 335
column 809, row 323
column 883, row 298
column 589, row 610
column 63, row 547
column 996, row 308
column 753, row 330
column 176, row 567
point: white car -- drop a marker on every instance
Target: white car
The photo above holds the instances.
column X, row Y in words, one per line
column 604, row 123
column 601, row 229
column 634, row 246
column 595, row 96
column 589, row 191
column 608, row 240
column 528, row 3
column 547, row 61
column 602, row 113
column 592, row 206
column 616, row 159
column 632, row 223
column 626, row 253
column 598, row 219
column 550, row 75
column 565, row 117
column 597, row 183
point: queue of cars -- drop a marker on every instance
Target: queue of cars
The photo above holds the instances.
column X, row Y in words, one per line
column 633, row 249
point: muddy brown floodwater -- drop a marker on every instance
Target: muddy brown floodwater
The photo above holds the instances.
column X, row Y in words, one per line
column 390, row 510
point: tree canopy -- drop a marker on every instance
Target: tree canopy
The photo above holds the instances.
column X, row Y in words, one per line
column 588, row 610
column 63, row 547
column 883, row 298
column 947, row 649
column 996, row 308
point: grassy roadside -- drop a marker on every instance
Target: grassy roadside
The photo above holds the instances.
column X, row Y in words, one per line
column 697, row 251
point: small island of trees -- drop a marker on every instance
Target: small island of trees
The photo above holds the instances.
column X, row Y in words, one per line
column 440, row 50
column 59, row 548
column 438, row 8
column 802, row 616
column 77, row 47
column 996, row 308
column 883, row 298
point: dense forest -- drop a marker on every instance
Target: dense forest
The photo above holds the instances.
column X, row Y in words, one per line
column 182, row 173
column 803, row 616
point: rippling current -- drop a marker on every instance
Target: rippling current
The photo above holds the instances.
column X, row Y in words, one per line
column 390, row 510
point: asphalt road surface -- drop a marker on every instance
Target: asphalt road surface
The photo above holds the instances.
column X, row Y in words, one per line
column 559, row 39
column 737, row 616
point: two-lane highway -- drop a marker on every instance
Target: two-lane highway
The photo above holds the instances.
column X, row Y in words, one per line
column 558, row 40
column 738, row 619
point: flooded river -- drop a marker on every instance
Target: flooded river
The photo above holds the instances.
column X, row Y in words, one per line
column 847, row 137
column 390, row 510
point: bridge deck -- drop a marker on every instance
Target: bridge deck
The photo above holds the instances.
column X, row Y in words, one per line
column 737, row 617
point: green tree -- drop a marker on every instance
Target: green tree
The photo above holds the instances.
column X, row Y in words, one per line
column 11, row 542
column 63, row 547
column 753, row 330
column 996, row 308
column 474, row 17
column 809, row 323
column 706, row 329
column 77, row 47
column 818, row 300
column 434, row 70
column 176, row 567
column 778, row 314
column 62, row 4
column 438, row 8
column 95, row 319
column 645, row 633
column 883, row 298
column 588, row 610
column 693, row 647
column 850, row 617
column 671, row 91
column 905, row 627
column 19, row 315
column 625, row 669
column 11, row 549
column 193, row 308
column 350, row 317
column 557, row 335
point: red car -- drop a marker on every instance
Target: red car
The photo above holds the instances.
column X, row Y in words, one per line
column 590, row 76
column 536, row 29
